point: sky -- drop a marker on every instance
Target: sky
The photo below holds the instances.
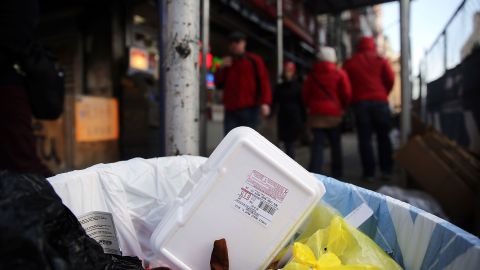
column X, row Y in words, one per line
column 428, row 18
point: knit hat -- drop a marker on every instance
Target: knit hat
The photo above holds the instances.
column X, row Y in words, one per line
column 289, row 65
column 236, row 36
column 327, row 54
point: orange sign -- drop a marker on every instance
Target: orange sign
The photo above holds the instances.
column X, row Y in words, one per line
column 96, row 119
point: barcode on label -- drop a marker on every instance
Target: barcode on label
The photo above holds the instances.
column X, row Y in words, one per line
column 267, row 208
column 260, row 198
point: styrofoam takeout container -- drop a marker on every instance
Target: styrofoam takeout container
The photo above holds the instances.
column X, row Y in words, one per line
column 248, row 192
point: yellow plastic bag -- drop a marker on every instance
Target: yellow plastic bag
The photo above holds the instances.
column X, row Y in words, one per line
column 337, row 246
column 305, row 260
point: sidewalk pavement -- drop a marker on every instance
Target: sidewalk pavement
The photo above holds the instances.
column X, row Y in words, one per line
column 352, row 166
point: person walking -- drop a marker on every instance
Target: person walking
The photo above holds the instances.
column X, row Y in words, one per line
column 288, row 105
column 326, row 93
column 372, row 80
column 244, row 79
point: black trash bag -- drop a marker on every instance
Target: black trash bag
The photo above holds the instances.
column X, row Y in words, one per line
column 124, row 263
column 38, row 232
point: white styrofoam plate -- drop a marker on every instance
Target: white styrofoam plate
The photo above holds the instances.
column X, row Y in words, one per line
column 248, row 192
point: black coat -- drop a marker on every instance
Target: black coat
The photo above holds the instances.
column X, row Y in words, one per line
column 288, row 104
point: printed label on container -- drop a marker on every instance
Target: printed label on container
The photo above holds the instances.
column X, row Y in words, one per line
column 260, row 198
column 100, row 226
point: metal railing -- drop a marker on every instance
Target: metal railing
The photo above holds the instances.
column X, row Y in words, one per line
column 454, row 43
column 445, row 96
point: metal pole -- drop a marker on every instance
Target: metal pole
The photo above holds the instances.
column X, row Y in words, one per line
column 316, row 42
column 203, row 73
column 405, row 120
column 279, row 40
column 162, row 42
column 445, row 51
column 423, row 89
column 180, row 61
column 338, row 38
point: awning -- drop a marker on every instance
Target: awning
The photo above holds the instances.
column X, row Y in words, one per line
column 337, row 6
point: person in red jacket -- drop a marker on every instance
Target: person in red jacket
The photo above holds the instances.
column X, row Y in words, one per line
column 372, row 79
column 326, row 93
column 244, row 79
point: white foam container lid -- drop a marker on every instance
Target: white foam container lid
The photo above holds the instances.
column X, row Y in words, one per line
column 248, row 192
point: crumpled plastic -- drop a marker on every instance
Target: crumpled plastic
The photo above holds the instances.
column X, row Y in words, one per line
column 416, row 198
column 338, row 246
column 137, row 193
column 39, row 232
column 124, row 263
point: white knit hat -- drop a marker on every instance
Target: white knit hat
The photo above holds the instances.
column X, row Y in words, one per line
column 327, row 54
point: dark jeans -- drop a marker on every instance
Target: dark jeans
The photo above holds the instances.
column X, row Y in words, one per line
column 374, row 116
column 334, row 138
column 248, row 117
column 290, row 149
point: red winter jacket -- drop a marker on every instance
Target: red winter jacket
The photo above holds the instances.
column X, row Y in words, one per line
column 327, row 90
column 239, row 83
column 371, row 75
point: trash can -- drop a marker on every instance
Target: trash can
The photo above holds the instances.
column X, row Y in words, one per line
column 414, row 238
column 138, row 192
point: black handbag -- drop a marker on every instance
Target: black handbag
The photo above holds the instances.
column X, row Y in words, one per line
column 45, row 82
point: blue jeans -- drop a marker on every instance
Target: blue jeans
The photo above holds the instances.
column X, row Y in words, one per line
column 316, row 159
column 370, row 117
column 248, row 117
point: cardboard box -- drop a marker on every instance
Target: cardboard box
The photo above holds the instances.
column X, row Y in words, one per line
column 439, row 179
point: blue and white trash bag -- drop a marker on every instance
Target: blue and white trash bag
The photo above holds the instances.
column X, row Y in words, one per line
column 138, row 192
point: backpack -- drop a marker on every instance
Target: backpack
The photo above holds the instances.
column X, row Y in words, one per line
column 45, row 82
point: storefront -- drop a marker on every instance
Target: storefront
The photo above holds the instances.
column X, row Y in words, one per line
column 109, row 51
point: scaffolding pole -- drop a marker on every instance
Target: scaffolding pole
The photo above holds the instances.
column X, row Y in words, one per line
column 279, row 40
column 162, row 42
column 180, row 76
column 203, row 73
column 423, row 90
column 405, row 120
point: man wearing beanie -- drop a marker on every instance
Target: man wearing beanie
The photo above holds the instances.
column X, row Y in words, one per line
column 372, row 80
column 326, row 93
column 246, row 85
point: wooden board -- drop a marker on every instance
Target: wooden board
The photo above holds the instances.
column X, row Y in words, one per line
column 438, row 179
column 50, row 143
